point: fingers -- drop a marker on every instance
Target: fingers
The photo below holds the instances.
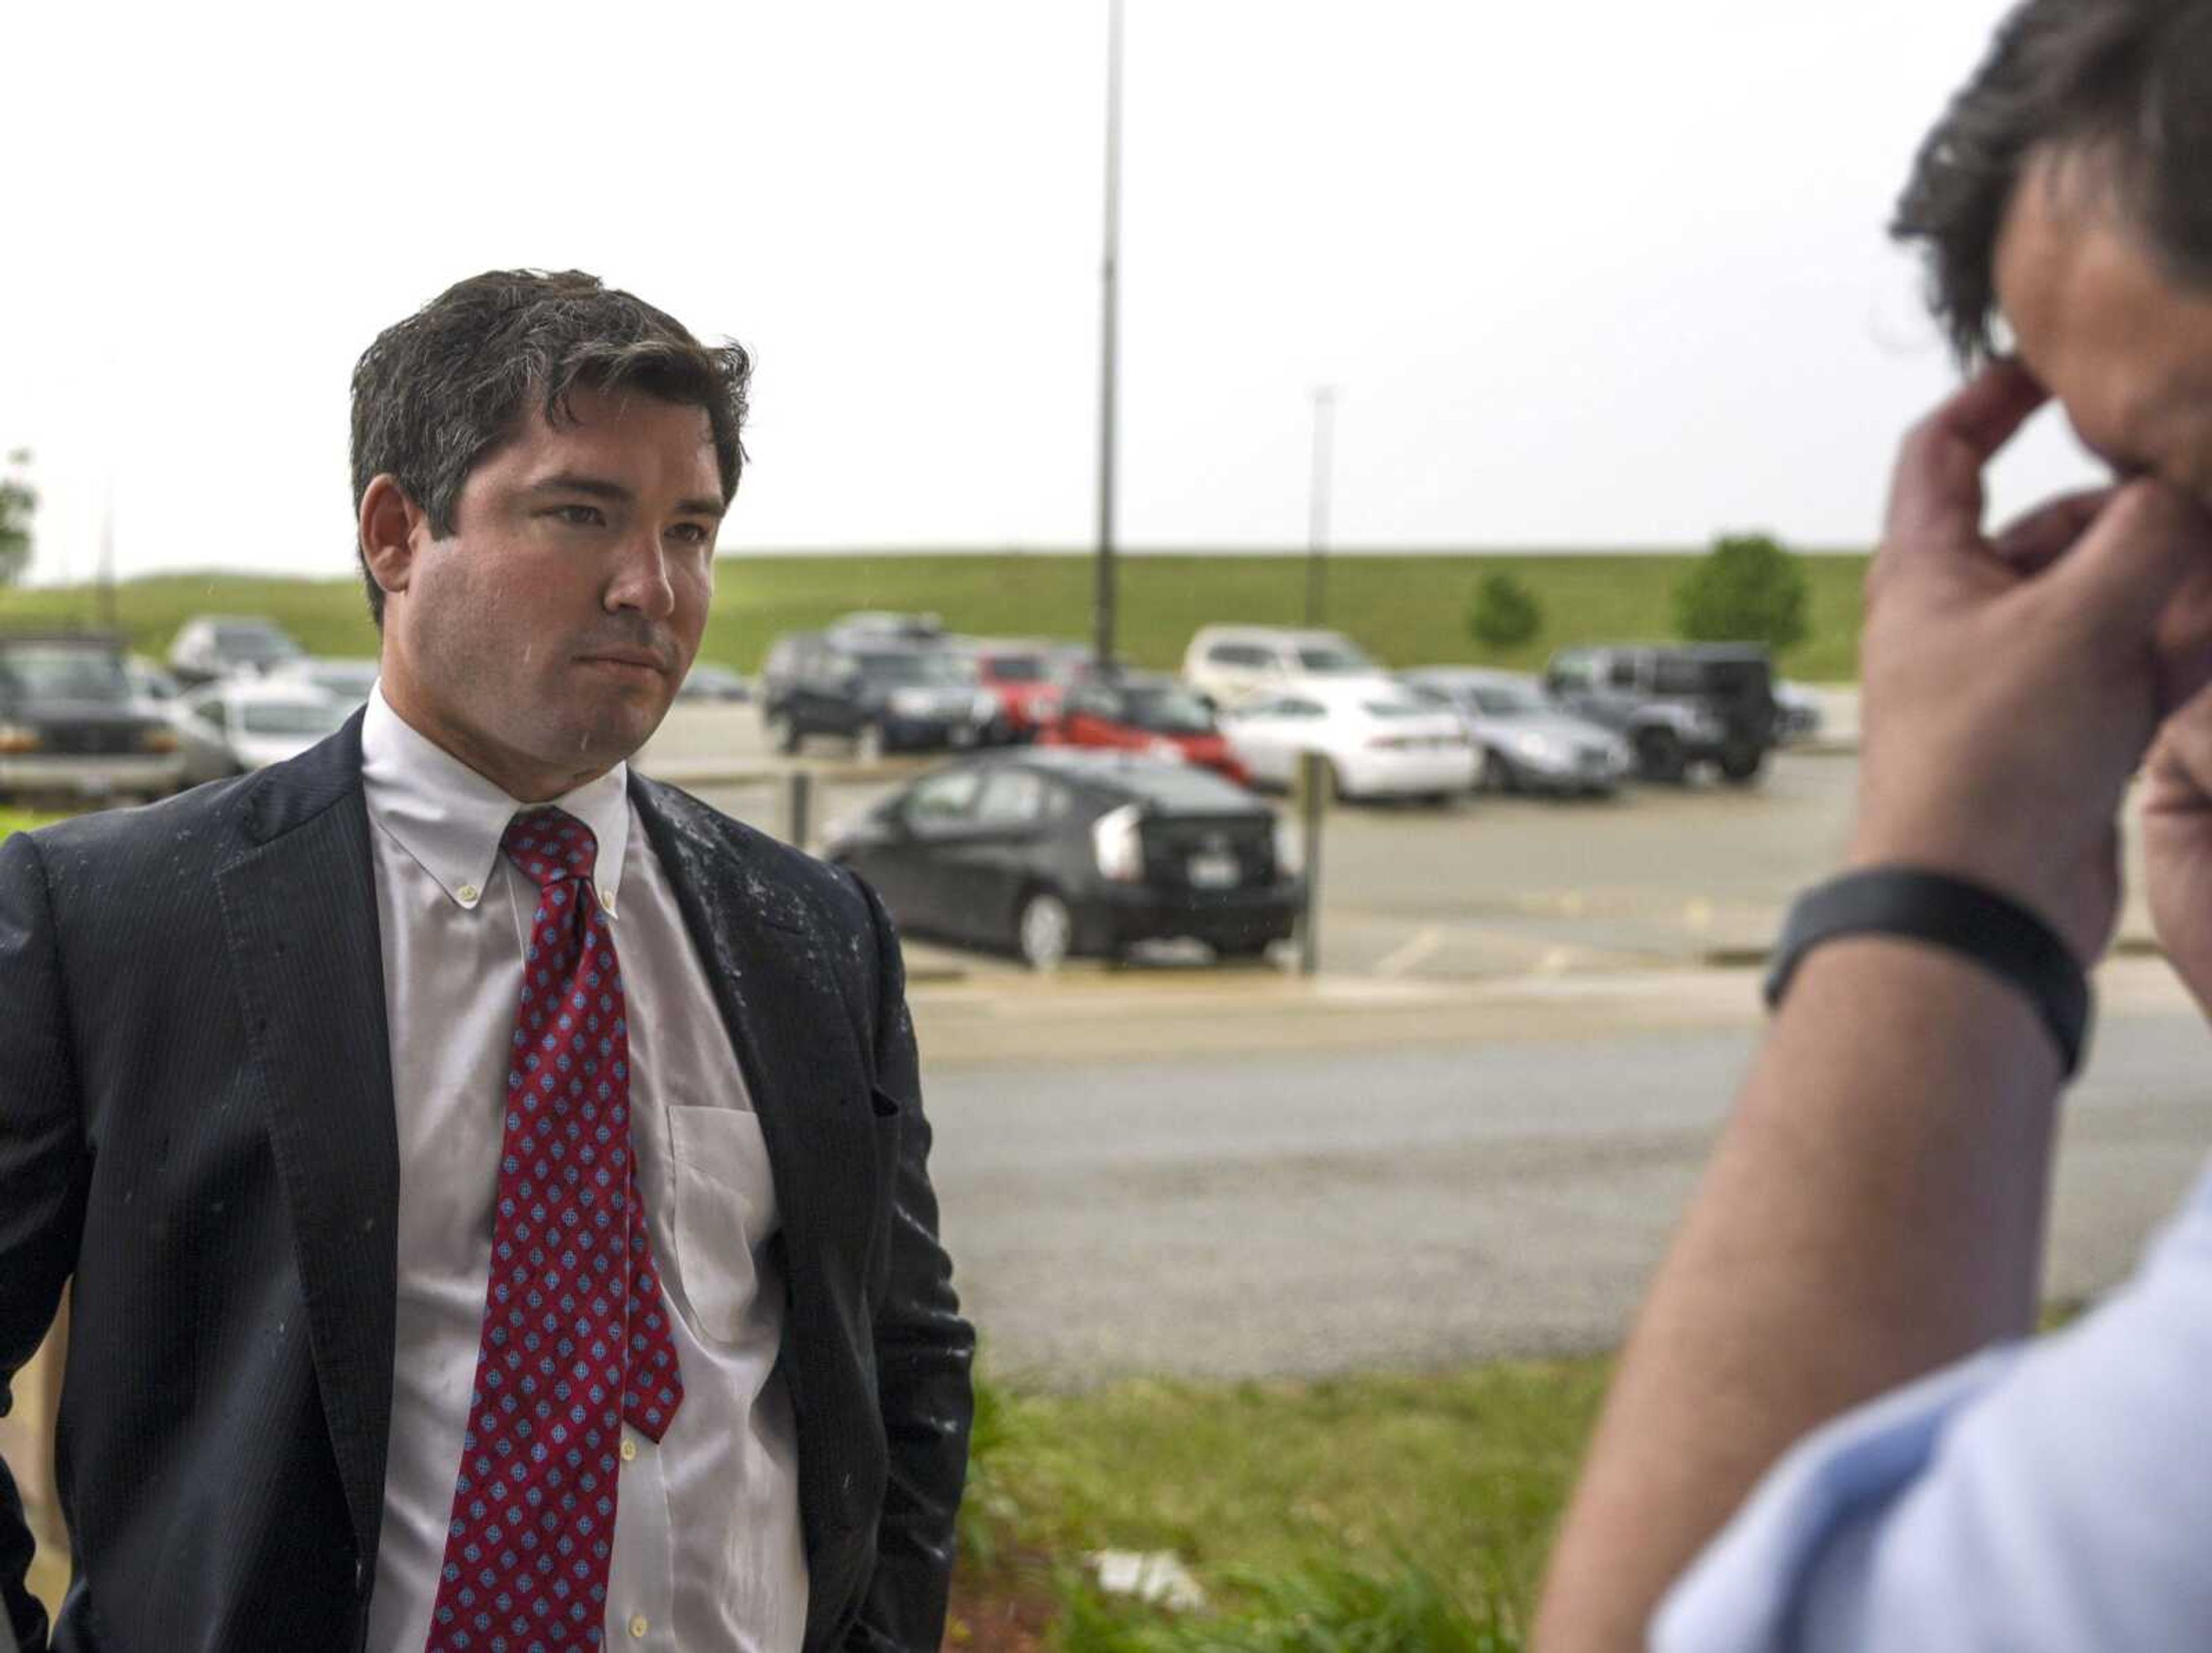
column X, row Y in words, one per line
column 1935, row 497
column 2133, row 561
column 2183, row 643
column 2177, row 774
column 2035, row 541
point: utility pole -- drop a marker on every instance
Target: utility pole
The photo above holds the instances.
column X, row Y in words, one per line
column 107, row 560
column 1324, row 434
column 1109, row 272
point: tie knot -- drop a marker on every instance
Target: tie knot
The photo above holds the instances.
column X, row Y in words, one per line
column 550, row 845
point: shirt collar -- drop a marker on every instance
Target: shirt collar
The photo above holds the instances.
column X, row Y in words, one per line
column 451, row 819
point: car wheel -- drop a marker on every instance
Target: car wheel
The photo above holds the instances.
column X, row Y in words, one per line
column 781, row 733
column 1044, row 934
column 1660, row 756
column 868, row 743
column 1334, row 789
column 1242, row 953
column 1496, row 773
column 1740, row 765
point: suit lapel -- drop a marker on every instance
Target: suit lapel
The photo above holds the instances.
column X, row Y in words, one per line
column 299, row 908
column 760, row 944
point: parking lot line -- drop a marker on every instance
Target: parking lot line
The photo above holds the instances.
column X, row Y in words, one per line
column 1419, row 950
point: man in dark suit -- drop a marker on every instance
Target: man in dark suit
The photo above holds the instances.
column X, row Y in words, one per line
column 492, row 1186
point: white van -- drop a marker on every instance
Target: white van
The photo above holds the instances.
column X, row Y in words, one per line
column 1235, row 663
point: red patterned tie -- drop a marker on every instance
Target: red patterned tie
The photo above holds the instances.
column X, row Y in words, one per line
column 575, row 1331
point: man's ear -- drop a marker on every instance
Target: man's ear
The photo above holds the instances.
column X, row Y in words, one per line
column 391, row 526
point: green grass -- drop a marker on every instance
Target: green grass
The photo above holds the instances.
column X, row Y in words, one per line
column 22, row 820
column 1321, row 1608
column 1386, row 1495
column 1410, row 610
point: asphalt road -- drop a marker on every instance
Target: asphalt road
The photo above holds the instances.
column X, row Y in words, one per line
column 1323, row 1210
column 1471, row 1138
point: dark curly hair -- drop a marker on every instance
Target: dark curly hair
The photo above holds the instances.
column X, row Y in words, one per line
column 437, row 392
column 2127, row 82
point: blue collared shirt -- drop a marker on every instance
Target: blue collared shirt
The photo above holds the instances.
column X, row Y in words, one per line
column 2052, row 1497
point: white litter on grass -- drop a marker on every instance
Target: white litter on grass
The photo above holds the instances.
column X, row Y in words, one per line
column 1152, row 1576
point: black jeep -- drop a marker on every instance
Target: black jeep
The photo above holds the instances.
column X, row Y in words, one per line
column 1676, row 704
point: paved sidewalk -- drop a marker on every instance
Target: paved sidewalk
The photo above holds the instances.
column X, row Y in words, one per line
column 1102, row 1017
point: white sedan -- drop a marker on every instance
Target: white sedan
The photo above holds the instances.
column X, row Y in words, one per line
column 1378, row 740
column 239, row 724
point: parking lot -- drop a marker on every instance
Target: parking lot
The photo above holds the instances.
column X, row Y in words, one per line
column 1489, row 886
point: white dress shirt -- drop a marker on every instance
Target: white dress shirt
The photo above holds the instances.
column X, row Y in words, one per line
column 707, row 1554
column 2052, row 1497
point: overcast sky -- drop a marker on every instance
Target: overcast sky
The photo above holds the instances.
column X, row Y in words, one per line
column 1607, row 274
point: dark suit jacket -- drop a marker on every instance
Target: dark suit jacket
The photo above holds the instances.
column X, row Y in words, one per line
column 197, row 1127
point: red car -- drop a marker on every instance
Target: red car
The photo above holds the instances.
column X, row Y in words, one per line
column 1145, row 714
column 1022, row 679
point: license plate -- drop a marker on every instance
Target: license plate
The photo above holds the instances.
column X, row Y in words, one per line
column 1214, row 871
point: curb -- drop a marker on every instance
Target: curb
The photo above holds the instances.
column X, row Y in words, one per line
column 1749, row 958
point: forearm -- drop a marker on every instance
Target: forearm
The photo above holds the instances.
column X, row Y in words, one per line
column 1874, row 1209
column 925, row 1351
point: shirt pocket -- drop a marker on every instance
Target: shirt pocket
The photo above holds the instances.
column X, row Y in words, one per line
column 725, row 1211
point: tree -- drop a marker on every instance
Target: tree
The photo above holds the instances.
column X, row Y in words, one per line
column 18, row 502
column 1746, row 589
column 1505, row 613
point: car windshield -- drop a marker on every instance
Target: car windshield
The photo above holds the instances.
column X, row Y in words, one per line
column 902, row 670
column 61, row 671
column 353, row 681
column 291, row 717
column 1497, row 701
column 1167, row 712
column 258, row 644
column 1017, row 668
column 1332, row 659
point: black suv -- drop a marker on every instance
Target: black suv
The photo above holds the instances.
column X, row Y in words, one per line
column 1676, row 704
column 883, row 694
column 71, row 723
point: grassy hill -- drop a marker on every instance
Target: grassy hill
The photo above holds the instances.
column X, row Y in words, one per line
column 1408, row 611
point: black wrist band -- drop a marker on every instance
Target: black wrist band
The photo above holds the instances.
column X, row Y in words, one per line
column 1994, row 930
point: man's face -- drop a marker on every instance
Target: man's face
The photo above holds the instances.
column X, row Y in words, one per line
column 542, row 641
column 2096, row 317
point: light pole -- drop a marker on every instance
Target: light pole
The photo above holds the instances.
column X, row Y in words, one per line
column 1324, row 434
column 106, row 590
column 1102, row 602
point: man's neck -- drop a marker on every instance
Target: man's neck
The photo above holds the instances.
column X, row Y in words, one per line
column 519, row 779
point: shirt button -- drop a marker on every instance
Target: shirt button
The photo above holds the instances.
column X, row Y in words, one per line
column 638, row 1627
column 629, row 1451
column 468, row 892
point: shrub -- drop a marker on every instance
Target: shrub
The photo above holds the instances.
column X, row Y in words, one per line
column 1746, row 589
column 1505, row 613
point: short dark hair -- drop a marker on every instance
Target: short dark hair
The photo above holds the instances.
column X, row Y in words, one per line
column 437, row 392
column 2128, row 82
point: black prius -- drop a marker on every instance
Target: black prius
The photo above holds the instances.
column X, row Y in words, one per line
column 1056, row 853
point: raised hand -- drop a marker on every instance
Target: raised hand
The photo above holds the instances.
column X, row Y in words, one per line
column 2012, row 684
